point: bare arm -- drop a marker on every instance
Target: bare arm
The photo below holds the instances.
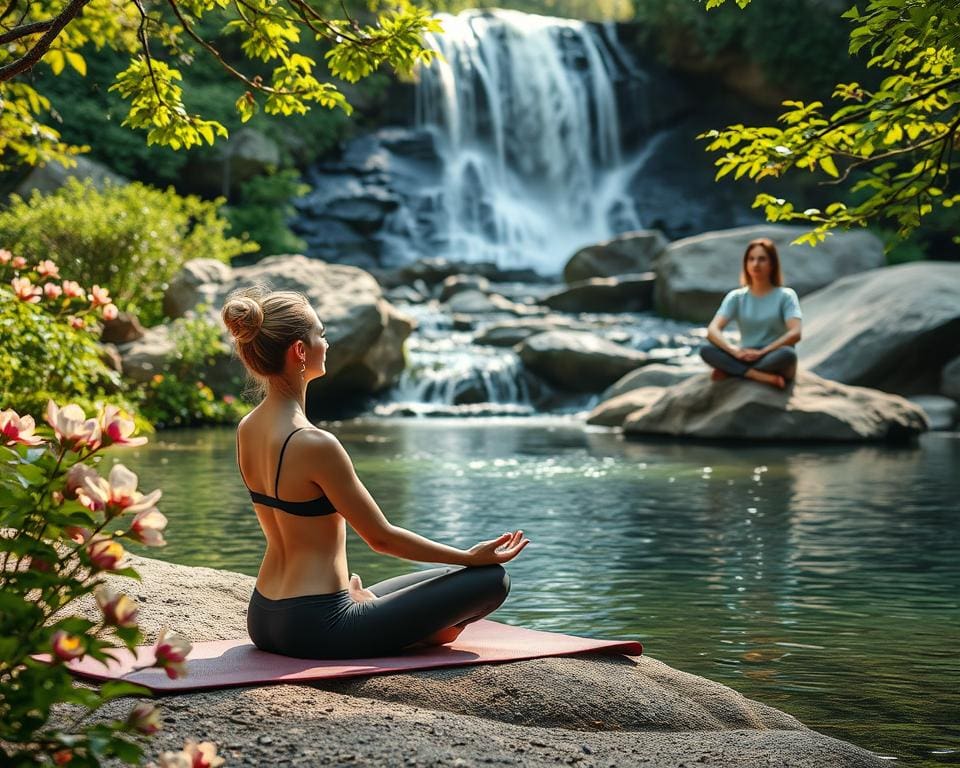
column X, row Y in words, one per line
column 336, row 475
column 791, row 337
column 715, row 335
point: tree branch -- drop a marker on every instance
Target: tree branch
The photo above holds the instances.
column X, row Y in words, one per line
column 31, row 57
column 25, row 31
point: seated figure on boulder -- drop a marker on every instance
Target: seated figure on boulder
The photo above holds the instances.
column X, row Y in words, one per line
column 768, row 316
column 305, row 490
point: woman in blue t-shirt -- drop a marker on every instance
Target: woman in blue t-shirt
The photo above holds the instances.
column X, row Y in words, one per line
column 769, row 317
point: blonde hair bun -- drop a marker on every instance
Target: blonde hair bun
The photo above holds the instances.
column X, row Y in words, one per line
column 243, row 317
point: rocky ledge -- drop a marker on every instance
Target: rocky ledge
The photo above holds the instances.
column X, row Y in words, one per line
column 589, row 710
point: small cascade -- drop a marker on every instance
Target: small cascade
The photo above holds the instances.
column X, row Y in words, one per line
column 525, row 122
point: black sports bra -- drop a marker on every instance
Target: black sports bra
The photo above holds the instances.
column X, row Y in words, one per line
column 311, row 508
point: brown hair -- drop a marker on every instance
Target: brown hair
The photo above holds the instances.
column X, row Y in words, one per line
column 264, row 324
column 776, row 278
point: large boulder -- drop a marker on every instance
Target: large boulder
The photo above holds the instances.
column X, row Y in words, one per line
column 508, row 333
column 810, row 409
column 655, row 375
column 627, row 293
column 578, row 361
column 51, row 176
column 612, row 411
column 695, row 273
column 592, row 709
column 893, row 328
column 366, row 332
column 628, row 253
column 950, row 379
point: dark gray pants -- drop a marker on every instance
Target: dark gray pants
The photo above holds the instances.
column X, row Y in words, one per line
column 782, row 360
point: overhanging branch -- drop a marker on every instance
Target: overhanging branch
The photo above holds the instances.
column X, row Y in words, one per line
column 31, row 57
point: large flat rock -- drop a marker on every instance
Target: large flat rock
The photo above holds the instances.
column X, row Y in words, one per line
column 593, row 710
column 893, row 328
column 695, row 273
column 809, row 409
column 578, row 361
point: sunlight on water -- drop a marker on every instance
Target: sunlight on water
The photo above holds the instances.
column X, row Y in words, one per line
column 824, row 582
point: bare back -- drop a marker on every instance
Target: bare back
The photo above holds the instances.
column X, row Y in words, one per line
column 304, row 555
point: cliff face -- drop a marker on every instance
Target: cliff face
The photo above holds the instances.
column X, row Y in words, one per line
column 592, row 710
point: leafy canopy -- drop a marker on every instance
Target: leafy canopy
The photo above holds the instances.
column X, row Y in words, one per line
column 162, row 37
column 895, row 143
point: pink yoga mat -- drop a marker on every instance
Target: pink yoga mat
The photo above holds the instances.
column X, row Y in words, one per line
column 225, row 663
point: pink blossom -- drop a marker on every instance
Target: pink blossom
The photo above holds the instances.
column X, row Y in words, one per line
column 145, row 718
column 52, row 290
column 202, row 755
column 171, row 653
column 72, row 290
column 5, row 256
column 78, row 534
column 229, row 399
column 47, row 268
column 117, row 429
column 18, row 262
column 25, row 290
column 110, row 312
column 63, row 756
column 76, row 479
column 72, row 427
column 77, row 323
column 118, row 609
column 98, row 296
column 147, row 528
column 18, row 429
column 173, row 760
column 119, row 493
column 67, row 646
column 105, row 553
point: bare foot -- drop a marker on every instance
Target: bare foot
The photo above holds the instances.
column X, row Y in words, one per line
column 441, row 637
column 357, row 592
column 717, row 375
column 773, row 379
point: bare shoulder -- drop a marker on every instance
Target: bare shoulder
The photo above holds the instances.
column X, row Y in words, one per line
column 319, row 441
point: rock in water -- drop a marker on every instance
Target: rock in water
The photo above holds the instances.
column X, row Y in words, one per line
column 695, row 273
column 629, row 253
column 810, row 409
column 941, row 412
column 892, row 328
column 577, row 361
column 626, row 293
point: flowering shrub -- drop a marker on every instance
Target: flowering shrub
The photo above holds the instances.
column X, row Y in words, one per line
column 62, row 530
column 48, row 328
column 176, row 397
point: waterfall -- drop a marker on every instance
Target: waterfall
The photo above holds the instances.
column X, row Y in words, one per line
column 524, row 116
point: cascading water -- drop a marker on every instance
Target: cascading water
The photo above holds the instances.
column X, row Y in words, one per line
column 525, row 122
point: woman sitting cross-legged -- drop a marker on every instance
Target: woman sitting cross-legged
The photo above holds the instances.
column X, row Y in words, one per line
column 305, row 491
column 768, row 315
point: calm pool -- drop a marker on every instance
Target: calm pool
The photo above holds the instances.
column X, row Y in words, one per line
column 822, row 581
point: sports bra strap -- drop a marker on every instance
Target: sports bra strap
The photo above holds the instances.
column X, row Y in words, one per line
column 276, row 483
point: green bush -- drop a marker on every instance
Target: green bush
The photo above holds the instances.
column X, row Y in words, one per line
column 42, row 358
column 179, row 397
column 130, row 239
column 264, row 209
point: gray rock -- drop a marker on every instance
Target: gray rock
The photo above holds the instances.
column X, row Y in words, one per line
column 627, row 293
column 250, row 153
column 611, row 412
column 950, row 379
column 578, row 361
column 52, row 176
column 629, row 253
column 509, row 333
column 601, row 708
column 941, row 411
column 124, row 328
column 474, row 302
column 147, row 356
column 405, row 293
column 810, row 409
column 893, row 328
column 654, row 375
column 695, row 273
column 457, row 283
column 366, row 332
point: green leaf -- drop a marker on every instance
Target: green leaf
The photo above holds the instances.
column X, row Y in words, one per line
column 829, row 167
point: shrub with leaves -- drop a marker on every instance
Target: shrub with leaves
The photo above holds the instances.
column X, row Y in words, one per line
column 179, row 397
column 63, row 527
column 47, row 331
column 129, row 239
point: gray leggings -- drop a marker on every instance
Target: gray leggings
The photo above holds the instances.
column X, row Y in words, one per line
column 407, row 609
column 782, row 360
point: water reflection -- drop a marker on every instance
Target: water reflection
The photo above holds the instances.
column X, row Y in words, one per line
column 821, row 581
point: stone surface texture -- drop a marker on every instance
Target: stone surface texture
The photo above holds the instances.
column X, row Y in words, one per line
column 578, row 361
column 810, row 409
column 892, row 328
column 628, row 253
column 594, row 710
column 695, row 273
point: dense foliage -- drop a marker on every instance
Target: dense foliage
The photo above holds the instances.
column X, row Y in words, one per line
column 63, row 531
column 129, row 239
column 894, row 143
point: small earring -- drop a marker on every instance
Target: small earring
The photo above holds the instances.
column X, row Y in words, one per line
column 303, row 367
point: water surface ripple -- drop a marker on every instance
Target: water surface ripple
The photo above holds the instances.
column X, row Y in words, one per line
column 822, row 581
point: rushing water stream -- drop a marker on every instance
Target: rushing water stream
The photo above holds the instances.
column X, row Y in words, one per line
column 823, row 581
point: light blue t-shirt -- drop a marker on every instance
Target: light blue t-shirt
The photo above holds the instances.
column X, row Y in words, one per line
column 761, row 319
